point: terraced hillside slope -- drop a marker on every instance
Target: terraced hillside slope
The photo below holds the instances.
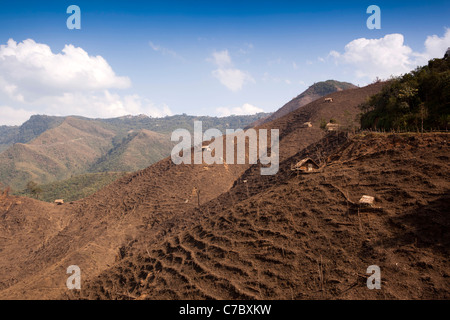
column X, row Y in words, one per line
column 114, row 228
column 305, row 236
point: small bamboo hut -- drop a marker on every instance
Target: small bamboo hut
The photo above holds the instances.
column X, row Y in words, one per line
column 332, row 126
column 366, row 201
column 306, row 165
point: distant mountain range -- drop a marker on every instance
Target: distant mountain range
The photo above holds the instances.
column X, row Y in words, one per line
column 46, row 149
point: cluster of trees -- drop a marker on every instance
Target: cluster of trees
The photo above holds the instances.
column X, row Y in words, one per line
column 33, row 189
column 77, row 187
column 419, row 100
column 324, row 88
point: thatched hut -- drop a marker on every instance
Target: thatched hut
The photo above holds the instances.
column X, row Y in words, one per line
column 366, row 201
column 306, row 165
column 332, row 126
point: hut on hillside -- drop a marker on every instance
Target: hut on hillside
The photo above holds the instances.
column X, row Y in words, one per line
column 306, row 165
column 366, row 201
column 332, row 126
column 59, row 201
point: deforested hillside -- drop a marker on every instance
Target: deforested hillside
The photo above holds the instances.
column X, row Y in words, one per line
column 305, row 236
column 344, row 109
column 314, row 92
column 145, row 207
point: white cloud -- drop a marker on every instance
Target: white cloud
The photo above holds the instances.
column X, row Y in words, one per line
column 33, row 80
column 11, row 91
column 32, row 68
column 388, row 56
column 435, row 47
column 244, row 110
column 165, row 51
column 234, row 79
column 222, row 59
column 10, row 116
column 377, row 57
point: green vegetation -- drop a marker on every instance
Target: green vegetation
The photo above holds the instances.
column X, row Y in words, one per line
column 136, row 151
column 36, row 125
column 167, row 125
column 417, row 101
column 33, row 189
column 28, row 131
column 324, row 88
column 47, row 149
column 72, row 189
column 8, row 136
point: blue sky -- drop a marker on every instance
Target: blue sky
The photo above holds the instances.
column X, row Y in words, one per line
column 201, row 57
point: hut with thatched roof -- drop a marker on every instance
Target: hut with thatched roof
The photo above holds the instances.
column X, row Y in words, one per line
column 332, row 126
column 306, row 165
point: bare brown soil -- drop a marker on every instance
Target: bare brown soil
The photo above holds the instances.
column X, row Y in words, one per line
column 305, row 237
column 285, row 236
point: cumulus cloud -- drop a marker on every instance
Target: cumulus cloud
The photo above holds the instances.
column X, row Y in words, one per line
column 34, row 68
column 435, row 47
column 234, row 79
column 377, row 57
column 389, row 55
column 246, row 109
column 11, row 91
column 71, row 82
